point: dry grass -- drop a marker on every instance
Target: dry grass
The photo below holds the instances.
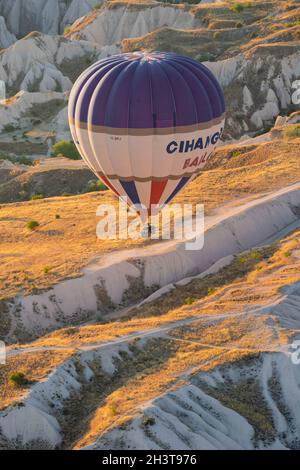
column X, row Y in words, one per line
column 202, row 346
column 202, row 288
column 246, row 398
column 122, row 404
column 276, row 166
column 166, row 363
column 68, row 244
column 34, row 365
column 292, row 132
column 223, row 31
column 248, row 332
column 259, row 285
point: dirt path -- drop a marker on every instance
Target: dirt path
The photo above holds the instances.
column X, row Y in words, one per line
column 164, row 330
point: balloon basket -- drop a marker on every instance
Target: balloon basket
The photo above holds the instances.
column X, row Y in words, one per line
column 147, row 231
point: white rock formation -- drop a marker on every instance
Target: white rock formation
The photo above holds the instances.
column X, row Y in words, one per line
column 45, row 63
column 257, row 86
column 190, row 418
column 60, row 125
column 110, row 25
column 269, row 110
column 257, row 83
column 18, row 111
column 35, row 421
column 280, row 121
column 6, row 38
column 47, row 16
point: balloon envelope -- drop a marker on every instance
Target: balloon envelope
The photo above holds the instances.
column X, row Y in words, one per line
column 146, row 124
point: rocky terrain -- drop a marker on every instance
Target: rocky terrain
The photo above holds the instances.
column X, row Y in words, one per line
column 162, row 347
column 50, row 177
column 254, row 52
column 141, row 343
column 47, row 16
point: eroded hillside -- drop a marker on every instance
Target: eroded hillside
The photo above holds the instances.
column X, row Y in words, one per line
column 253, row 50
column 139, row 343
column 65, row 239
column 203, row 366
column 160, row 347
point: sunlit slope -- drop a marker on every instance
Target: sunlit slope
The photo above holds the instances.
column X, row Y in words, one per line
column 65, row 240
column 223, row 321
column 225, row 30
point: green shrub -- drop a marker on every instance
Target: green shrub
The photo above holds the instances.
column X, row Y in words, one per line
column 113, row 409
column 292, row 132
column 23, row 195
column 256, row 254
column 66, row 149
column 236, row 153
column 237, row 7
column 240, row 7
column 242, row 259
column 206, row 57
column 293, row 23
column 32, row 224
column 96, row 185
column 73, row 330
column 211, row 290
column 9, row 128
column 34, row 197
column 239, row 24
column 57, row 216
column 148, row 421
column 46, row 269
column 250, row 255
column 18, row 379
column 189, row 300
column 253, row 35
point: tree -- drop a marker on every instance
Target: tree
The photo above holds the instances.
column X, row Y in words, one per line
column 67, row 149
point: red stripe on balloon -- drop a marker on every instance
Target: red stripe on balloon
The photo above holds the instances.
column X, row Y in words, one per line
column 157, row 188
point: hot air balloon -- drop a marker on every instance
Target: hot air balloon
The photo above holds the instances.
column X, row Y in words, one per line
column 146, row 124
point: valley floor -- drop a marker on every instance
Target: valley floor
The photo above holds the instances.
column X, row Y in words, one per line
column 207, row 365
column 125, row 344
column 156, row 347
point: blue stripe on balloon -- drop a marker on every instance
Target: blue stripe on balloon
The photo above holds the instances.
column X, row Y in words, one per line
column 179, row 186
column 130, row 189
